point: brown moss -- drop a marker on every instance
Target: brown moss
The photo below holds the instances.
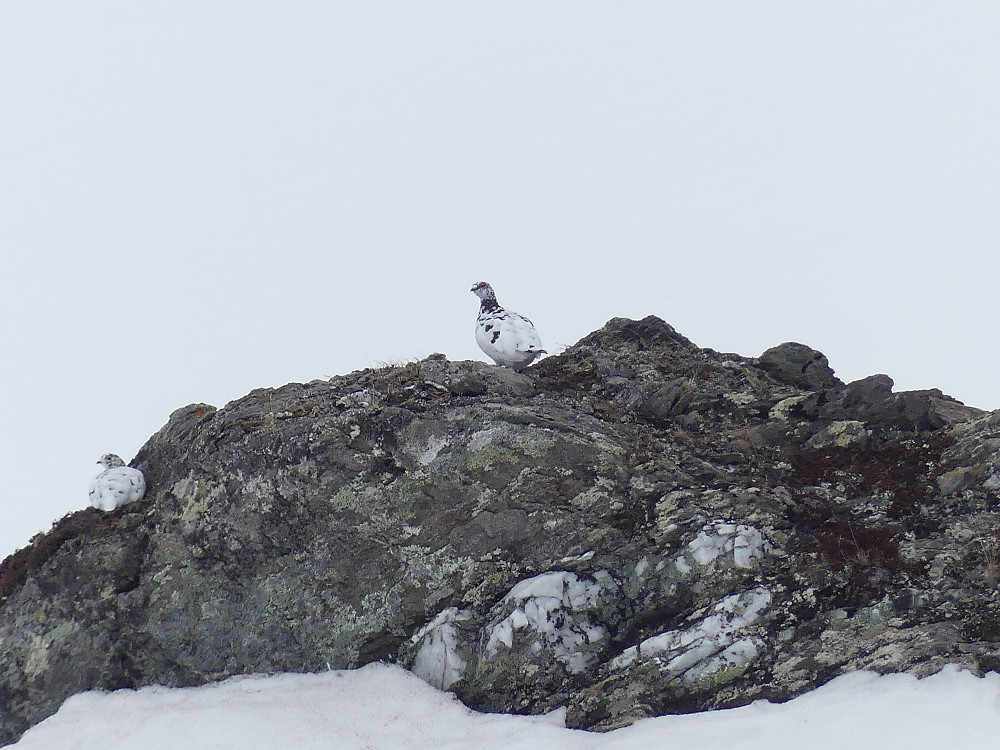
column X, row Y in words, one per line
column 865, row 558
column 565, row 373
column 396, row 383
column 847, row 545
column 86, row 523
column 901, row 469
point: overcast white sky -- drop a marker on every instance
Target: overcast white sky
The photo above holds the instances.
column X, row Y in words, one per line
column 197, row 199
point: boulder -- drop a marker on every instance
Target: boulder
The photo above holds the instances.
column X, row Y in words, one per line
column 799, row 365
column 635, row 526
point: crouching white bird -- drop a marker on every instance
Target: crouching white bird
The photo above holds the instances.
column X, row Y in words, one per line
column 508, row 338
column 117, row 485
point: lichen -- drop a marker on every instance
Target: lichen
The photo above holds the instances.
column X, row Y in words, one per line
column 490, row 456
column 345, row 499
column 36, row 660
column 427, row 567
column 505, row 444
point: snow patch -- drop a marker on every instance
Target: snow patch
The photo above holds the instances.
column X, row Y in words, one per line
column 710, row 646
column 382, row 707
column 554, row 605
column 438, row 662
column 743, row 543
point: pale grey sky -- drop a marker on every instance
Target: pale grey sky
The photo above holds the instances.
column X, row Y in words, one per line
column 200, row 199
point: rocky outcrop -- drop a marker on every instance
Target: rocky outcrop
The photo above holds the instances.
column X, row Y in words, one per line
column 636, row 526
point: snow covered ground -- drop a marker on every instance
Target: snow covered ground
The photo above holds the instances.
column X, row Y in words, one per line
column 381, row 707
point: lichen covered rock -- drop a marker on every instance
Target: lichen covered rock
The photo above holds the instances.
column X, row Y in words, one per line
column 633, row 527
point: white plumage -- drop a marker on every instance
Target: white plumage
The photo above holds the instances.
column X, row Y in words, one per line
column 117, row 485
column 508, row 338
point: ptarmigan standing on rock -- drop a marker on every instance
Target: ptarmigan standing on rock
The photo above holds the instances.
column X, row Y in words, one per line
column 117, row 485
column 508, row 338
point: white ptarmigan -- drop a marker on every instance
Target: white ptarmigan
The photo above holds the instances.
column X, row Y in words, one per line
column 117, row 485
column 508, row 338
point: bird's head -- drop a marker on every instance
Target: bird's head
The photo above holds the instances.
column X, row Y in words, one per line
column 110, row 460
column 484, row 291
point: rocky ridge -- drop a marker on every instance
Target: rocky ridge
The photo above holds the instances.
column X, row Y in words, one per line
column 636, row 526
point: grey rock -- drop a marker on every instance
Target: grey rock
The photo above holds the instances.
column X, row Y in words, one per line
column 635, row 526
column 669, row 400
column 474, row 378
column 649, row 333
column 869, row 391
column 840, row 434
column 959, row 479
column 805, row 406
column 871, row 400
column 919, row 410
column 799, row 365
